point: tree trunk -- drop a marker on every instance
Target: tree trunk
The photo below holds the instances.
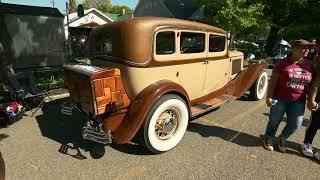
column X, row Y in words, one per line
column 272, row 39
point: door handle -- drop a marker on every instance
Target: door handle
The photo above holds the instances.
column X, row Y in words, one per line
column 206, row 62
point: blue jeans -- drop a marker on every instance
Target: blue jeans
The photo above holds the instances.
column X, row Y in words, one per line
column 294, row 111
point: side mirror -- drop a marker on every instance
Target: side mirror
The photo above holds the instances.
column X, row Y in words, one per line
column 80, row 10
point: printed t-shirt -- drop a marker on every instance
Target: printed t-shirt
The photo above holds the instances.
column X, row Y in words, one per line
column 294, row 79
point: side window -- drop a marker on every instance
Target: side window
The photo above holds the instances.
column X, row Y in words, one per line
column 216, row 43
column 192, row 42
column 165, row 43
column 103, row 46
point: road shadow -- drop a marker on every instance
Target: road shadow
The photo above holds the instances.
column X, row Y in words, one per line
column 132, row 148
column 246, row 97
column 3, row 136
column 66, row 130
column 203, row 114
column 305, row 122
column 244, row 139
column 230, row 135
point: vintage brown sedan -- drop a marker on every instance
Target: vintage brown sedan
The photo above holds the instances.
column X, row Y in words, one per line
column 149, row 76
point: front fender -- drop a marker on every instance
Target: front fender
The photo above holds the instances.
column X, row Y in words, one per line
column 139, row 108
column 246, row 78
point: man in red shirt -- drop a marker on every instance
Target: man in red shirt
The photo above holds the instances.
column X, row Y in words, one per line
column 288, row 86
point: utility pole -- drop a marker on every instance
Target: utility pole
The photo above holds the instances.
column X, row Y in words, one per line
column 52, row 2
column 69, row 39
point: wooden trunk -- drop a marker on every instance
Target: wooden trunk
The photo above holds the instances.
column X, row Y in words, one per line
column 97, row 90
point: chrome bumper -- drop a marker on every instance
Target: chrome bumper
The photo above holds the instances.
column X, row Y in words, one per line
column 93, row 128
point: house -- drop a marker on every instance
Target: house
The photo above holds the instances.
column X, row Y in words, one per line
column 80, row 27
column 182, row 9
column 91, row 19
column 32, row 37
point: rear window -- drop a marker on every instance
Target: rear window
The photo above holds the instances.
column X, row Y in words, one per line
column 103, row 46
column 216, row 43
column 192, row 42
column 165, row 43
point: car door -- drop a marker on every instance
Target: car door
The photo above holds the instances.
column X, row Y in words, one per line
column 193, row 47
column 184, row 51
column 217, row 63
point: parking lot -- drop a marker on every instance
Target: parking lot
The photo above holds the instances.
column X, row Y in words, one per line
column 225, row 143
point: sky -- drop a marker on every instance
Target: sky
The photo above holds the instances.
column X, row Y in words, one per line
column 61, row 4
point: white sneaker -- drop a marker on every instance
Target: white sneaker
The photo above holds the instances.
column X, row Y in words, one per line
column 317, row 155
column 268, row 143
column 307, row 150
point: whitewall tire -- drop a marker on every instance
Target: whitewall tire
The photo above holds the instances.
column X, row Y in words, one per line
column 259, row 87
column 166, row 124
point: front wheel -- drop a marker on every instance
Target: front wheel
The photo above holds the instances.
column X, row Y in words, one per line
column 165, row 124
column 259, row 87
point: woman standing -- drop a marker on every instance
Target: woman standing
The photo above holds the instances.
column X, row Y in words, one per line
column 287, row 89
column 313, row 100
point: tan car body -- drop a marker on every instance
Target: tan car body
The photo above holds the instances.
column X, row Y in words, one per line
column 146, row 76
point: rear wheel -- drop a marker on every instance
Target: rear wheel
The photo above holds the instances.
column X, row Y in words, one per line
column 165, row 124
column 259, row 87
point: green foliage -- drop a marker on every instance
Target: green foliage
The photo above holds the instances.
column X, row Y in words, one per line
column 106, row 6
column 118, row 10
column 236, row 16
column 48, row 81
column 290, row 18
column 72, row 6
column 102, row 5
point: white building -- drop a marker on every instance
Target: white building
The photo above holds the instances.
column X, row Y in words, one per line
column 91, row 16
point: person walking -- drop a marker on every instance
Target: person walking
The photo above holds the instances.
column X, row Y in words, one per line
column 286, row 93
column 312, row 51
column 313, row 106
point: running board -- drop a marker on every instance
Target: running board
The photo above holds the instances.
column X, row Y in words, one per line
column 206, row 106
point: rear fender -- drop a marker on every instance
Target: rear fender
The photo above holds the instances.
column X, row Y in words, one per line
column 139, row 108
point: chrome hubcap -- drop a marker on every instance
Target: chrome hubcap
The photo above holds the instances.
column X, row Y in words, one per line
column 167, row 124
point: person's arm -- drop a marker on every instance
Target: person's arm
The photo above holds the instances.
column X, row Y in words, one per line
column 312, row 105
column 271, row 87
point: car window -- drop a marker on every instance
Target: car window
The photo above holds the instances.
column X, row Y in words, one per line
column 165, row 43
column 216, row 43
column 192, row 42
column 103, row 46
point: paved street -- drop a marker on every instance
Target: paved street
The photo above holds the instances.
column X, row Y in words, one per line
column 224, row 144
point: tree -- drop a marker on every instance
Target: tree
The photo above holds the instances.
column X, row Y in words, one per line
column 244, row 16
column 102, row 5
column 72, row 6
column 118, row 10
column 236, row 16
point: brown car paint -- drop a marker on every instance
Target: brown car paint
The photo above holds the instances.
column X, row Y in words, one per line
column 245, row 79
column 140, row 107
column 138, row 33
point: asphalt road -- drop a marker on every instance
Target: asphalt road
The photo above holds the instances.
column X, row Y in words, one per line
column 224, row 144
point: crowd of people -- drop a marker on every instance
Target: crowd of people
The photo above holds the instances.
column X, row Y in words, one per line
column 293, row 84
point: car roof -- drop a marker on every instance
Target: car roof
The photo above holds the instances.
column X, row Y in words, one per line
column 152, row 23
